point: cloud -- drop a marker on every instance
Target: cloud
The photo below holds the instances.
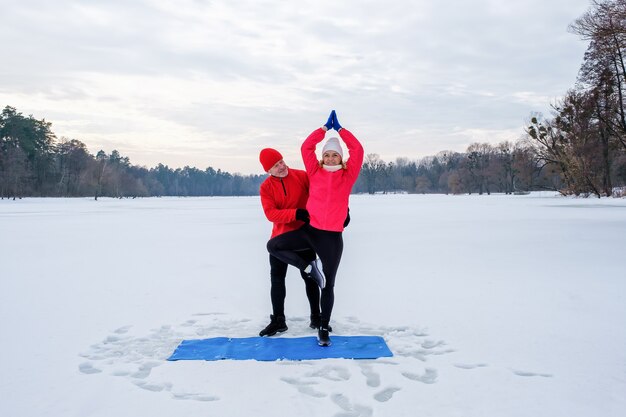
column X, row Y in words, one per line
column 211, row 82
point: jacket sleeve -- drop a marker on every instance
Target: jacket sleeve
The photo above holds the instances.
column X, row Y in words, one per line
column 308, row 150
column 273, row 213
column 355, row 161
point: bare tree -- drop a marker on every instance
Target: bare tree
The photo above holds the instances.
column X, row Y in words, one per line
column 479, row 158
column 373, row 171
column 604, row 26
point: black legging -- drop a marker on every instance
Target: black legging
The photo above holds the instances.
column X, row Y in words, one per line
column 278, row 291
column 327, row 245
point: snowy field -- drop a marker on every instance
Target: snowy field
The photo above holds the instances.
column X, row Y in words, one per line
column 493, row 306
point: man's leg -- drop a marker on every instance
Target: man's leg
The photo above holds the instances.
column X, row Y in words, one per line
column 278, row 272
column 278, row 291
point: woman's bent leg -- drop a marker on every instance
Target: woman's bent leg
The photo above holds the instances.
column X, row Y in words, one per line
column 286, row 246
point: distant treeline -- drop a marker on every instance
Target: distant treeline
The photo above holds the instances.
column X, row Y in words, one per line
column 34, row 163
column 580, row 149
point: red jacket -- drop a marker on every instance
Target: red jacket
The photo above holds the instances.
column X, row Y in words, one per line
column 329, row 192
column 281, row 197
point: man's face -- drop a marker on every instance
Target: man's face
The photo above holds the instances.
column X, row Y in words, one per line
column 280, row 169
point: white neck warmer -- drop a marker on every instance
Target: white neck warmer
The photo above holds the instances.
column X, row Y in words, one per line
column 332, row 168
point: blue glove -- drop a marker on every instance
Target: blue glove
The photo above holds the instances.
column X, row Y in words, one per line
column 336, row 124
column 329, row 123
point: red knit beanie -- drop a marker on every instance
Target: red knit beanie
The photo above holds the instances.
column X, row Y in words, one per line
column 269, row 157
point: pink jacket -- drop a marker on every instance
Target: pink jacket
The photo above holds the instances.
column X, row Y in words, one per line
column 329, row 192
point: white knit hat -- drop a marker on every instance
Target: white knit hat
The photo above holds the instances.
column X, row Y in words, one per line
column 333, row 145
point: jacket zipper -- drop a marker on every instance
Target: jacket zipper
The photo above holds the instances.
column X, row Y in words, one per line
column 283, row 184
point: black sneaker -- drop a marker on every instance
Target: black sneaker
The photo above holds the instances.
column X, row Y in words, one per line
column 277, row 325
column 317, row 274
column 323, row 338
column 316, row 322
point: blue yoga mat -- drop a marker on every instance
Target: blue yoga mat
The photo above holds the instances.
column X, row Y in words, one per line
column 287, row 348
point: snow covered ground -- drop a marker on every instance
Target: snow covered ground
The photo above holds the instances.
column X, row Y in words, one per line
column 493, row 306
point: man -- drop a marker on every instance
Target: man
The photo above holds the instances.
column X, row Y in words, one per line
column 283, row 196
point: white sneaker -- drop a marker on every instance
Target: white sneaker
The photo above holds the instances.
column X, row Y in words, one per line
column 317, row 273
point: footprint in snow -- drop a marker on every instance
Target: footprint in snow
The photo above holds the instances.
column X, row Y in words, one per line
column 386, row 394
column 123, row 330
column 470, row 365
column 429, row 376
column 332, row 373
column 372, row 378
column 304, row 387
column 87, row 368
column 431, row 344
column 350, row 410
column 530, row 374
column 196, row 397
column 145, row 369
column 153, row 387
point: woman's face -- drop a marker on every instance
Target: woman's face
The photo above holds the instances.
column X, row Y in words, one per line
column 331, row 158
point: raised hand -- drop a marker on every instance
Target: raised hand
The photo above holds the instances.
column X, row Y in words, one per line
column 336, row 124
column 329, row 123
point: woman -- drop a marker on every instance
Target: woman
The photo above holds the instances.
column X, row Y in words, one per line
column 330, row 182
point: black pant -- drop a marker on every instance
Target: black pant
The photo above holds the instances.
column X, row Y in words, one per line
column 278, row 291
column 327, row 245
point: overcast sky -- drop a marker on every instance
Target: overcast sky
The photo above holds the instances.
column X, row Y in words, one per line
column 211, row 82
